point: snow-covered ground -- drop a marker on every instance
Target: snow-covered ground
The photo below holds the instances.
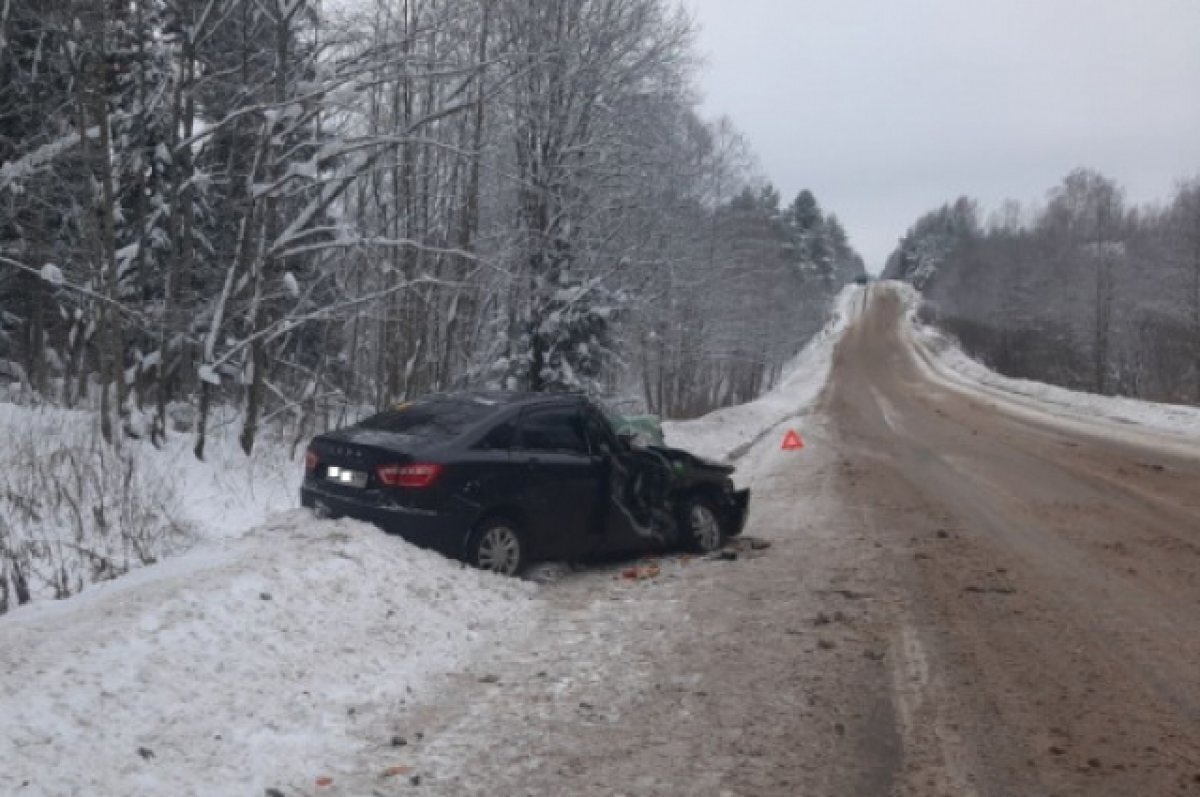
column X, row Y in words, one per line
column 223, row 497
column 945, row 361
column 277, row 649
column 74, row 511
column 254, row 659
column 242, row 666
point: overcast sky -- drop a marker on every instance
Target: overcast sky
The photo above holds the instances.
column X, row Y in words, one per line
column 887, row 108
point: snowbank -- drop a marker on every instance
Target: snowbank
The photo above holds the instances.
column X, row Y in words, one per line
column 74, row 511
column 728, row 433
column 222, row 497
column 945, row 361
column 259, row 663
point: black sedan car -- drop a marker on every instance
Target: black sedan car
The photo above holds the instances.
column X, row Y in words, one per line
column 503, row 479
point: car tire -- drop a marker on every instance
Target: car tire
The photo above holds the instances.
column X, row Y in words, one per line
column 498, row 546
column 700, row 526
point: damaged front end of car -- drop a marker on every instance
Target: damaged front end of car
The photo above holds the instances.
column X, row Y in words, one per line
column 667, row 483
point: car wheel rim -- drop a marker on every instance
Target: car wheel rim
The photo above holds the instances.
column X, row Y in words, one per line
column 500, row 550
column 705, row 528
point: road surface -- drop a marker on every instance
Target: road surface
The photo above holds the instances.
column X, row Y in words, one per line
column 960, row 598
column 1048, row 636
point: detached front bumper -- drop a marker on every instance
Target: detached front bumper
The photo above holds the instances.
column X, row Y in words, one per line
column 437, row 531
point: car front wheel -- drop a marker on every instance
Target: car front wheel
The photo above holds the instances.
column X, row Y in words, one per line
column 701, row 526
column 498, row 547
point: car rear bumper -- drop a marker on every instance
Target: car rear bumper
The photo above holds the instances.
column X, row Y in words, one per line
column 437, row 531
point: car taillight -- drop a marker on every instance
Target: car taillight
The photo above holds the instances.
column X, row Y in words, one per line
column 310, row 460
column 413, row 476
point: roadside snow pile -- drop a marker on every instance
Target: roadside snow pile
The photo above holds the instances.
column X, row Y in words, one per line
column 728, row 433
column 75, row 511
column 264, row 663
column 946, row 361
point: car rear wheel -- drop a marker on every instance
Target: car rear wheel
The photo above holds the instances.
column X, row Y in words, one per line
column 701, row 526
column 498, row 547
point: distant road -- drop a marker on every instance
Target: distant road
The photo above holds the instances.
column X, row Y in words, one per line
column 1046, row 625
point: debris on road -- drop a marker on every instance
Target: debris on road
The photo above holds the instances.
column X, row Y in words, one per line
column 548, row 572
column 848, row 594
column 745, row 544
column 978, row 590
column 641, row 572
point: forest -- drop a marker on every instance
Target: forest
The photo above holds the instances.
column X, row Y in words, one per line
column 1087, row 290
column 299, row 212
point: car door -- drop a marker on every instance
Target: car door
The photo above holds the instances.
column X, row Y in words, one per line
column 620, row 530
column 560, row 491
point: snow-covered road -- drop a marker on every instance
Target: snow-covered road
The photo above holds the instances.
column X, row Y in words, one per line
column 1045, row 630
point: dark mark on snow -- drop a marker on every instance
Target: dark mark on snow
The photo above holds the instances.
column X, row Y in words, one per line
column 988, row 590
column 848, row 594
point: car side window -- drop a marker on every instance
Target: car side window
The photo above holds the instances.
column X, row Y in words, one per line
column 553, row 429
column 500, row 438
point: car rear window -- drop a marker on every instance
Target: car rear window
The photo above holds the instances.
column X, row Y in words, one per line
column 430, row 420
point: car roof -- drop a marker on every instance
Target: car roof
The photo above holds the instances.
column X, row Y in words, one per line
column 507, row 398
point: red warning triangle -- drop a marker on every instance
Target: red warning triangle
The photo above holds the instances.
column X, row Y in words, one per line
column 792, row 441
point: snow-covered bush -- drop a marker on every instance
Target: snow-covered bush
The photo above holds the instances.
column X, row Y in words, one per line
column 75, row 511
